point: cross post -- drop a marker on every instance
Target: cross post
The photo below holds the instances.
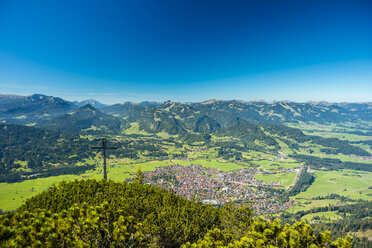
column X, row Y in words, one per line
column 104, row 147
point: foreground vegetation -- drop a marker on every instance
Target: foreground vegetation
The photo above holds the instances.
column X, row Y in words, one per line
column 351, row 217
column 90, row 213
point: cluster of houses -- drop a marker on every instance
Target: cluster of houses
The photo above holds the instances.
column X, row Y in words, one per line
column 217, row 187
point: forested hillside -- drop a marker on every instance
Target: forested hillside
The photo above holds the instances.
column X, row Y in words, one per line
column 258, row 125
column 107, row 214
column 85, row 119
column 36, row 108
column 272, row 157
column 356, row 219
column 230, row 113
column 32, row 152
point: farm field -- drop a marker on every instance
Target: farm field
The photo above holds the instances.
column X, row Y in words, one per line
column 340, row 135
column 353, row 184
column 285, row 179
column 323, row 216
column 348, row 183
column 14, row 194
column 345, row 127
column 306, row 204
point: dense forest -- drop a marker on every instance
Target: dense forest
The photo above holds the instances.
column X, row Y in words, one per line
column 90, row 213
column 28, row 149
column 330, row 163
column 336, row 145
column 246, row 121
column 85, row 119
column 305, row 179
column 29, row 152
column 356, row 218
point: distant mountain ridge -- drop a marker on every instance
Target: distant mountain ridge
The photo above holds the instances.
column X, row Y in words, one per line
column 30, row 109
column 92, row 102
column 36, row 103
column 176, row 117
column 230, row 113
column 258, row 126
column 37, row 107
column 84, row 119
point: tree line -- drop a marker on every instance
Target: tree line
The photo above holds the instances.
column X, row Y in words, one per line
column 355, row 218
column 29, row 152
column 330, row 163
column 305, row 179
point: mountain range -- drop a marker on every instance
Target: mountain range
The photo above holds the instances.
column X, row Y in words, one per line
column 258, row 126
column 173, row 117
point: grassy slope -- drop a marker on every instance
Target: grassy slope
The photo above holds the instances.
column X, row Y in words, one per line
column 353, row 184
column 324, row 216
column 348, row 183
column 285, row 179
column 14, row 194
column 118, row 172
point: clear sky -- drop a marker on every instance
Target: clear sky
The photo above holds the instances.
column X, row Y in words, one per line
column 181, row 50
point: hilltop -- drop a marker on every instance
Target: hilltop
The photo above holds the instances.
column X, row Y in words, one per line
column 84, row 119
column 107, row 214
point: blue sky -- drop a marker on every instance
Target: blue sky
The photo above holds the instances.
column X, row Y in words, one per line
column 116, row 51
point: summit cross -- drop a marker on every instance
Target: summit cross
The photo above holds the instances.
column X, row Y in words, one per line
column 104, row 147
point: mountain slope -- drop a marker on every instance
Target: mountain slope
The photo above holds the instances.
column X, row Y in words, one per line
column 283, row 112
column 232, row 113
column 206, row 124
column 30, row 151
column 30, row 109
column 91, row 102
column 84, row 119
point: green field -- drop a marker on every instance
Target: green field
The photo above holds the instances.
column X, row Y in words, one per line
column 349, row 183
column 341, row 136
column 306, row 204
column 323, row 216
column 345, row 182
column 353, row 184
column 14, row 194
column 134, row 129
column 285, row 179
column 344, row 127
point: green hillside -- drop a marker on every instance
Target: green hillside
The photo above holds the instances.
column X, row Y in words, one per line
column 85, row 119
column 93, row 213
column 28, row 152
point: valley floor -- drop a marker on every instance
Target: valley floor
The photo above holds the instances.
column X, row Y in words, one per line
column 261, row 179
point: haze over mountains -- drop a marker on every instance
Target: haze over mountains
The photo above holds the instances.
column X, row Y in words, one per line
column 209, row 115
column 257, row 125
column 260, row 126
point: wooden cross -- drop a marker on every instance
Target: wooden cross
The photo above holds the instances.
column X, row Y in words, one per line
column 104, row 147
